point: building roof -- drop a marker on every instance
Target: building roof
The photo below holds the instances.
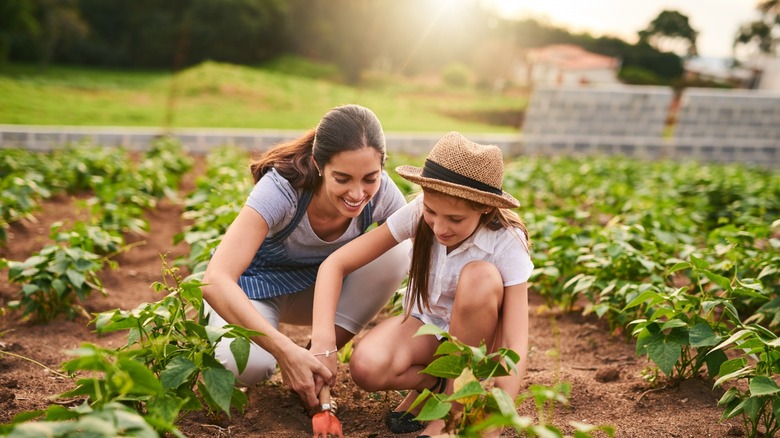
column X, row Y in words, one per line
column 571, row 57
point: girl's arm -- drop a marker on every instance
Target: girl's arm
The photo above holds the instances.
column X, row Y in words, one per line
column 330, row 278
column 514, row 334
column 225, row 296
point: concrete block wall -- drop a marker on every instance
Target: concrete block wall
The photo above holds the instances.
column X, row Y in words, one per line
column 597, row 111
column 200, row 141
column 712, row 125
column 728, row 114
column 729, row 125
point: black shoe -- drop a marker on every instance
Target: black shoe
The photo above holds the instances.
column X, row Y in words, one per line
column 402, row 422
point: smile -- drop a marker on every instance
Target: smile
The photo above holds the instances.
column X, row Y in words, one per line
column 353, row 204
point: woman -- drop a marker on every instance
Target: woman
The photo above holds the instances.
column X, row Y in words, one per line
column 312, row 195
column 469, row 273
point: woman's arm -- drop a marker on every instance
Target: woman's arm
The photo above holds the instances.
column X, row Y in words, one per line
column 225, row 296
column 330, row 278
column 514, row 334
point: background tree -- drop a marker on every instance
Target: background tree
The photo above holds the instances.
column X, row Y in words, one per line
column 60, row 25
column 762, row 33
column 17, row 17
column 670, row 32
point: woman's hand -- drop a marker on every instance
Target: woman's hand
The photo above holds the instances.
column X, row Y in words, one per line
column 302, row 372
column 329, row 358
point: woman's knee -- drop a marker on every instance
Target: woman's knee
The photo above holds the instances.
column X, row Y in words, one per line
column 260, row 366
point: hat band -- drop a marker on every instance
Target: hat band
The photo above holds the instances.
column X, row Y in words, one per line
column 436, row 171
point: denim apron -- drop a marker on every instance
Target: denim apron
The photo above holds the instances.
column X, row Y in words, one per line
column 273, row 273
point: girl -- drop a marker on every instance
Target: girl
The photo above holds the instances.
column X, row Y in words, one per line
column 469, row 272
column 312, row 195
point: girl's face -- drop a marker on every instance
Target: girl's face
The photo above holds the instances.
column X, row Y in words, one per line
column 452, row 219
column 350, row 179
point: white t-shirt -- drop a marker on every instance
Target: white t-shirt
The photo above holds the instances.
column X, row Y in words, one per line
column 505, row 248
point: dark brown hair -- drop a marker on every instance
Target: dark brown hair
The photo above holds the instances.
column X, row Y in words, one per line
column 344, row 128
column 417, row 286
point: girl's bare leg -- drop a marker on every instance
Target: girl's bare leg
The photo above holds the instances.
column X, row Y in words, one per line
column 475, row 314
column 389, row 356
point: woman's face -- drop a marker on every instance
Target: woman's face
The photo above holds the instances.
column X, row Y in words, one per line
column 350, row 179
column 452, row 219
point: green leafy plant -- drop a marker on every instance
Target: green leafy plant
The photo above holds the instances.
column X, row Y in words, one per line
column 120, row 377
column 759, row 404
column 171, row 337
column 482, row 406
column 682, row 329
column 111, row 420
column 55, row 281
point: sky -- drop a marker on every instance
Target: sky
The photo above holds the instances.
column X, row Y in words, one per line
column 717, row 21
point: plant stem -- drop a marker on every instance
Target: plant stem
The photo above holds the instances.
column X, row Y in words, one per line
column 2, row 352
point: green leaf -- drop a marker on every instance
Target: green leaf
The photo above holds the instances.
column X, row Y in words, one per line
column 720, row 280
column 178, row 370
column 714, row 361
column 434, row 410
column 143, row 379
column 762, row 385
column 447, row 347
column 673, row 323
column 166, row 406
column 239, row 399
column 665, row 355
column 653, row 296
column 445, row 366
column 701, row 335
column 76, row 278
column 647, row 337
column 735, row 375
column 240, row 349
column 215, row 333
column 24, row 417
column 128, row 421
column 218, row 382
column 733, row 338
column 728, row 396
column 471, row 389
column 430, row 329
column 504, row 402
column 753, row 407
column 699, row 263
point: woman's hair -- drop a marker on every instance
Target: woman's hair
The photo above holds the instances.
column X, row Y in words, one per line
column 417, row 286
column 344, row 128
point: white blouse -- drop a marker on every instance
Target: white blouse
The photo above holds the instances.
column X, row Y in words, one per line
column 506, row 249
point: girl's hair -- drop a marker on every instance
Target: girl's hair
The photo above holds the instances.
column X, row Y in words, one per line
column 344, row 128
column 417, row 286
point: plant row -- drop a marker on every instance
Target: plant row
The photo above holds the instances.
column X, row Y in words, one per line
column 683, row 257
column 57, row 278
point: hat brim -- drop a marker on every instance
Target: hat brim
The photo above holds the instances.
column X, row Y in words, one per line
column 414, row 174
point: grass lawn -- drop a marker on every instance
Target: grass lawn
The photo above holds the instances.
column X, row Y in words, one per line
column 279, row 95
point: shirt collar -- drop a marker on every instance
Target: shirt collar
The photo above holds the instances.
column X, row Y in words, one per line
column 482, row 239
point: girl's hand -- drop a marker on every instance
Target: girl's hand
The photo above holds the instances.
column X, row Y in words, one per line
column 302, row 372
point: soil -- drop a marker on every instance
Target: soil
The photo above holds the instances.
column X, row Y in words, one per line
column 603, row 370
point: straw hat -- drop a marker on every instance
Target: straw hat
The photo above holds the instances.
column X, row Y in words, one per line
column 459, row 167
